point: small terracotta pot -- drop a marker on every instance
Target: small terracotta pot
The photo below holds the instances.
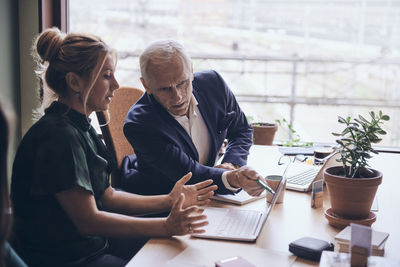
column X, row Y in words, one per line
column 351, row 198
column 264, row 133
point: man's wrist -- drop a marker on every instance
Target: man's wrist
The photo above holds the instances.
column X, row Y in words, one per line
column 229, row 185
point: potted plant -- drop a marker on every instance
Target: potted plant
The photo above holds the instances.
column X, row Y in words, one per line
column 263, row 132
column 352, row 185
column 294, row 139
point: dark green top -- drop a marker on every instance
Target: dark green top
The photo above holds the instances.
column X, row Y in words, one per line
column 59, row 152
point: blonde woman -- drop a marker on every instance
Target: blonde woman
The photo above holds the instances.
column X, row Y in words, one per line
column 65, row 208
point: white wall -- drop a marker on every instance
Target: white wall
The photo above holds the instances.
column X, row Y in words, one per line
column 28, row 29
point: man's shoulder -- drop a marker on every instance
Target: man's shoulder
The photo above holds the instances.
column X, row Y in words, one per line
column 206, row 75
column 209, row 84
column 141, row 111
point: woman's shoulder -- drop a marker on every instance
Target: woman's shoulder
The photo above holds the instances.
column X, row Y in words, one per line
column 53, row 127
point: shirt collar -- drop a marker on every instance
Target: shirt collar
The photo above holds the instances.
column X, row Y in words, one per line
column 192, row 111
column 74, row 116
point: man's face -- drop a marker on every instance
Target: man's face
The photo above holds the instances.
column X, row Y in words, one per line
column 171, row 85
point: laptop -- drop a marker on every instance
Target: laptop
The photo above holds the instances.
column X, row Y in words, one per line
column 301, row 176
column 237, row 224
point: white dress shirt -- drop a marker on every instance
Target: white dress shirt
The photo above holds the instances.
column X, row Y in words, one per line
column 197, row 129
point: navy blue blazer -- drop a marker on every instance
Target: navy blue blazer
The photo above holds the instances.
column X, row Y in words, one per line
column 164, row 152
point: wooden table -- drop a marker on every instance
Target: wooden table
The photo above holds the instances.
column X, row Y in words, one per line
column 293, row 218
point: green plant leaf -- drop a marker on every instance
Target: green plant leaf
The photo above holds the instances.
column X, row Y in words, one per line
column 249, row 118
column 341, row 120
column 362, row 118
column 340, row 142
column 355, row 141
column 372, row 114
column 359, row 121
column 309, row 144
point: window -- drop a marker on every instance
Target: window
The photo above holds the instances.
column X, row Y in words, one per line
column 306, row 61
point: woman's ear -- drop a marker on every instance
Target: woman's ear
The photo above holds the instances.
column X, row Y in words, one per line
column 74, row 82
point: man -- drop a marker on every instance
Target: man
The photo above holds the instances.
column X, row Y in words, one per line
column 179, row 125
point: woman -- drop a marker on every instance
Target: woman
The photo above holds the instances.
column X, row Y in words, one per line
column 64, row 205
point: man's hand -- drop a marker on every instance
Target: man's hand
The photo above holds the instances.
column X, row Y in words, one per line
column 246, row 178
column 227, row 166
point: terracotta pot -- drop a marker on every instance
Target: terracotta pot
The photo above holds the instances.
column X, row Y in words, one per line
column 264, row 133
column 351, row 198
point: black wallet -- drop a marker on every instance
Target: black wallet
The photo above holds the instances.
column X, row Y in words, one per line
column 309, row 248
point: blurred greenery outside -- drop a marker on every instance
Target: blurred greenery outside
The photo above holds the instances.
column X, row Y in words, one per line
column 327, row 52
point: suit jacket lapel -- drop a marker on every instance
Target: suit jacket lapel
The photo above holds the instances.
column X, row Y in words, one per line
column 172, row 123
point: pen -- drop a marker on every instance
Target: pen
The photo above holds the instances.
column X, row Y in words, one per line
column 269, row 189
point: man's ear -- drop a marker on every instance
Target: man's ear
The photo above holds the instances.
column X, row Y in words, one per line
column 191, row 72
column 74, row 82
column 145, row 86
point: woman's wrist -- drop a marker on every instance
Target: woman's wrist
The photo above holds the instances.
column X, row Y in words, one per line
column 169, row 200
column 165, row 229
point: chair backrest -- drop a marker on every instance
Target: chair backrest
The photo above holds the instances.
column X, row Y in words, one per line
column 112, row 132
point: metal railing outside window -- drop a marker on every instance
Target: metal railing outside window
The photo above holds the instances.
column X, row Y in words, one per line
column 294, row 81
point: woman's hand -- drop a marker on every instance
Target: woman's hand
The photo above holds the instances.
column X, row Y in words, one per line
column 197, row 194
column 181, row 221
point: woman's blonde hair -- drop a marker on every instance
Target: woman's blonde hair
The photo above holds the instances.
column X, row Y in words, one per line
column 57, row 54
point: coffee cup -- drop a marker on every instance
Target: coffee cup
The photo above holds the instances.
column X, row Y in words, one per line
column 273, row 181
column 322, row 152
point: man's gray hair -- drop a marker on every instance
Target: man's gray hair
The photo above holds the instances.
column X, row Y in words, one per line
column 160, row 52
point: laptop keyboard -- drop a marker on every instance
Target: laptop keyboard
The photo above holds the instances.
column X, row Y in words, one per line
column 238, row 223
column 303, row 178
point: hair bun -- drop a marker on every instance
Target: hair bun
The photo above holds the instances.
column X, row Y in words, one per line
column 49, row 43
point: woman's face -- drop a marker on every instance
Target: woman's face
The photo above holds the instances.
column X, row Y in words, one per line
column 103, row 89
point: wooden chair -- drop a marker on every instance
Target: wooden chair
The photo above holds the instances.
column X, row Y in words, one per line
column 112, row 132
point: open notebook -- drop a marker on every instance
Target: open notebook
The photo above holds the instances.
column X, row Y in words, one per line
column 240, row 198
column 237, row 224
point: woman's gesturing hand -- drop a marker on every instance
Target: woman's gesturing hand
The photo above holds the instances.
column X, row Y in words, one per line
column 182, row 221
column 197, row 194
